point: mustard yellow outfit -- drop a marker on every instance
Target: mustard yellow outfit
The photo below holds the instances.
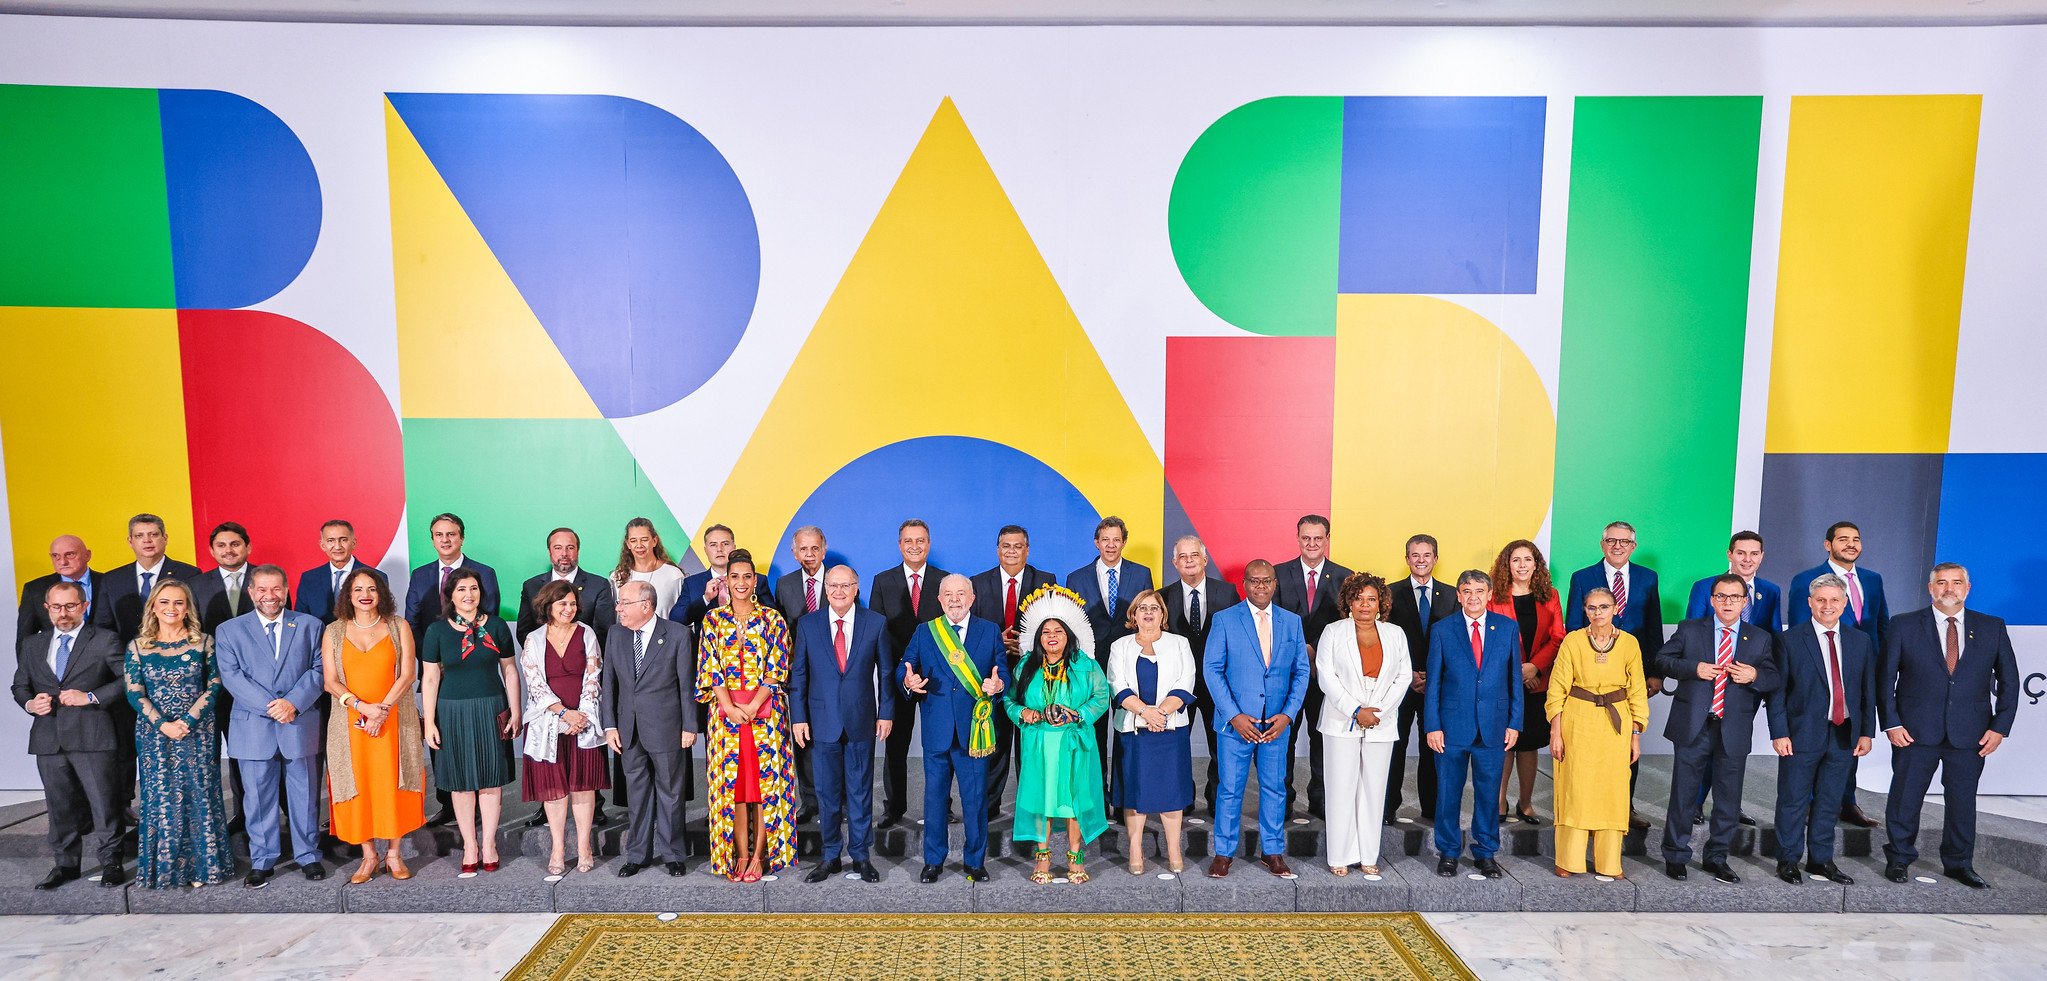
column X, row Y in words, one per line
column 1592, row 778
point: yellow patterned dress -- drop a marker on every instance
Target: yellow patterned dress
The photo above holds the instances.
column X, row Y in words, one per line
column 753, row 759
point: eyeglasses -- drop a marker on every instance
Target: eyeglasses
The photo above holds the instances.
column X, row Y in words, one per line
column 1617, row 542
column 1261, row 581
column 63, row 607
column 841, row 585
column 1730, row 597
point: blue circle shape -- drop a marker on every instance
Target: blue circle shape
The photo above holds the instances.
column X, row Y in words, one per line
column 966, row 489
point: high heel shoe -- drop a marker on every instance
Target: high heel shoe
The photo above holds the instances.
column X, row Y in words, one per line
column 468, row 868
column 398, row 868
column 364, row 872
column 556, row 866
column 1042, row 875
column 1074, row 872
column 491, row 866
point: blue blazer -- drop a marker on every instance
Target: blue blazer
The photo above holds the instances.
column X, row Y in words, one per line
column 423, row 594
column 1239, row 680
column 949, row 709
column 1469, row 704
column 315, row 595
column 1107, row 620
column 1693, row 645
column 1765, row 614
column 1799, row 711
column 256, row 677
column 1914, row 690
column 841, row 705
column 1643, row 618
column 1876, row 613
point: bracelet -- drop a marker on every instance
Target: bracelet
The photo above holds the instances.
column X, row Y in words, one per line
column 347, row 699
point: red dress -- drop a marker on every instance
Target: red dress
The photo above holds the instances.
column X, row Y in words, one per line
column 574, row 768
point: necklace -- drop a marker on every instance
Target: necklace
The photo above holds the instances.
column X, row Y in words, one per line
column 1601, row 652
column 359, row 625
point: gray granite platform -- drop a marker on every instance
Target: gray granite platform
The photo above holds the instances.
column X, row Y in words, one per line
column 2011, row 854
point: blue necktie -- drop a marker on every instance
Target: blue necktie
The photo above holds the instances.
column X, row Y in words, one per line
column 338, row 573
column 276, row 652
column 1421, row 599
column 1194, row 609
column 85, row 587
column 1111, row 604
column 146, row 577
column 63, row 655
column 639, row 653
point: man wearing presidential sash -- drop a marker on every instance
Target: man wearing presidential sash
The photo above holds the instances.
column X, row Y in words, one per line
column 953, row 669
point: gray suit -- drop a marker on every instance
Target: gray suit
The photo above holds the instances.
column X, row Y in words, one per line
column 74, row 746
column 650, row 706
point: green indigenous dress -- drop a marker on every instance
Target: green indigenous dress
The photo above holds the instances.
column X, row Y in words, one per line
column 1061, row 774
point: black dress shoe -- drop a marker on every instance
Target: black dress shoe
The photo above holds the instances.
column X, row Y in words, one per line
column 118, row 876
column 1446, row 867
column 258, row 878
column 1676, row 870
column 539, row 818
column 822, row 871
column 314, row 872
column 1637, row 822
column 675, row 868
column 1894, row 872
column 1745, row 821
column 1698, row 819
column 889, row 821
column 1831, row 871
column 930, row 874
column 977, row 873
column 57, row 877
column 1788, row 871
column 441, row 818
column 597, row 820
column 805, row 815
column 1489, row 868
column 867, row 872
column 1719, row 870
column 629, row 869
column 1967, row 877
column 1852, row 814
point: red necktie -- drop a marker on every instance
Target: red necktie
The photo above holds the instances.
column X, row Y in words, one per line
column 810, row 594
column 1009, row 605
column 914, row 580
column 1722, row 659
column 1477, row 646
column 1620, row 596
column 1840, row 711
column 1310, row 605
column 839, row 643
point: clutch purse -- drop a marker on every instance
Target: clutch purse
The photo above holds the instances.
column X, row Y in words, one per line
column 767, row 704
column 1060, row 714
column 504, row 719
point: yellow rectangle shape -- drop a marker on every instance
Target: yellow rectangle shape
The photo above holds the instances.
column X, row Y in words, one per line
column 1877, row 191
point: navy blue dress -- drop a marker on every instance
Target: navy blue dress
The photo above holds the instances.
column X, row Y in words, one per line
column 1154, row 770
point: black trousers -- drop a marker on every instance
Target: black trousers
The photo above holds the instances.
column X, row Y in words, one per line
column 895, row 763
column 1311, row 710
column 1911, row 774
column 85, row 794
column 1410, row 723
column 1006, row 747
column 1702, row 754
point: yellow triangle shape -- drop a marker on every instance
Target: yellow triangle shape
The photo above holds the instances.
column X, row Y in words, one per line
column 468, row 345
column 946, row 323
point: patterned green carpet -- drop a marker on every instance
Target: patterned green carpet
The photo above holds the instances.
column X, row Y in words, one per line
column 1006, row 946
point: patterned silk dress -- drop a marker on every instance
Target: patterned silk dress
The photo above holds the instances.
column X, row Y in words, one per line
column 184, row 819
column 753, row 757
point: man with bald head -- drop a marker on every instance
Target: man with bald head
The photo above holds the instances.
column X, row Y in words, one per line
column 651, row 719
column 953, row 669
column 72, row 563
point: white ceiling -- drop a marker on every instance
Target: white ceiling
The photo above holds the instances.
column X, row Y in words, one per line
column 914, row 12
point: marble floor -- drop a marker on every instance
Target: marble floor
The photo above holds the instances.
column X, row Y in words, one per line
column 1504, row 946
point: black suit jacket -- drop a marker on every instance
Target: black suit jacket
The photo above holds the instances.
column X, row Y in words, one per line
column 30, row 619
column 596, row 607
column 1914, row 689
column 1407, row 615
column 209, row 593
column 423, row 594
column 889, row 595
column 1292, row 595
column 990, row 594
column 117, row 606
column 1694, row 644
column 95, row 667
column 1217, row 595
column 787, row 596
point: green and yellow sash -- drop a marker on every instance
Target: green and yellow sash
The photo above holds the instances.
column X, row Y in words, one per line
column 981, row 740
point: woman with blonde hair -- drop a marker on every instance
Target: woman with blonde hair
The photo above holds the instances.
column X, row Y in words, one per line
column 376, row 753
column 173, row 685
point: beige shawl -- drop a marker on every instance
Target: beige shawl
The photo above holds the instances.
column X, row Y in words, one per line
column 405, row 715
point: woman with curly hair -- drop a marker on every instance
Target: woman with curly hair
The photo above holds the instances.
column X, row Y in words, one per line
column 1522, row 590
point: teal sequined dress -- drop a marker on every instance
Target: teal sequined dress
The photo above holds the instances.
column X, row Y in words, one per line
column 184, row 819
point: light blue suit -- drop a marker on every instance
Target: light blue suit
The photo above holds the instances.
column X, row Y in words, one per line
column 256, row 673
column 1242, row 683
column 1473, row 706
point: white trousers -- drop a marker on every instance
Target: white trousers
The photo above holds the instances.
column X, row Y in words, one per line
column 1354, row 775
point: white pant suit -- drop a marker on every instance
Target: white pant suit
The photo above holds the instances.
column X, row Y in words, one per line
column 1354, row 760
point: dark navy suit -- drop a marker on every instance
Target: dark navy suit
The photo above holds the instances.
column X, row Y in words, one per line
column 1217, row 595
column 1875, row 618
column 423, row 594
column 841, row 708
column 991, row 602
column 315, row 595
column 1704, row 744
column 1472, row 705
column 1763, row 612
column 117, row 597
column 1946, row 715
column 1821, row 752
column 1316, row 612
column 948, row 716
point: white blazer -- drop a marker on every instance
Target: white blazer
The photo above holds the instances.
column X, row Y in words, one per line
column 1176, row 673
column 543, row 731
column 1345, row 689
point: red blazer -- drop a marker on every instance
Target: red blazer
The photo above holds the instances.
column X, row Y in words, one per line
column 1549, row 633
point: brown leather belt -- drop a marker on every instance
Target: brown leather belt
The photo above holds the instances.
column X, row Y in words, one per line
column 1606, row 701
